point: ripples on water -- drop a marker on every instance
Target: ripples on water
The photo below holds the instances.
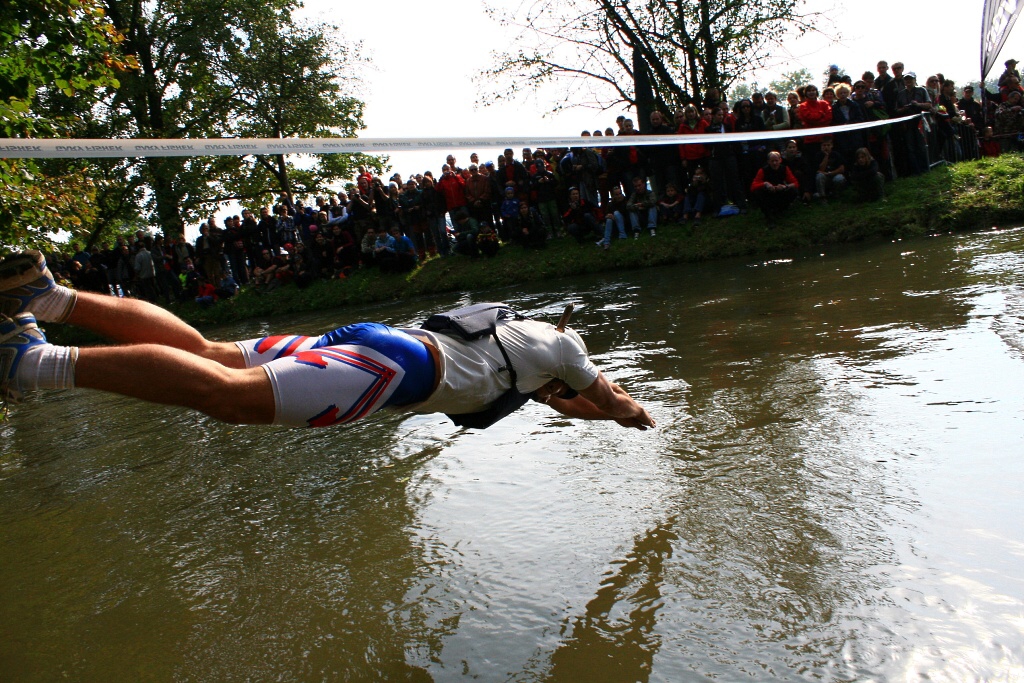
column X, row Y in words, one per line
column 832, row 494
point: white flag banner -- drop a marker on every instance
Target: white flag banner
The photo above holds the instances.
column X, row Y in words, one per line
column 998, row 18
column 37, row 148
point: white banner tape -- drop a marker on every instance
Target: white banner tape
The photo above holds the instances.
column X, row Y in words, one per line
column 113, row 149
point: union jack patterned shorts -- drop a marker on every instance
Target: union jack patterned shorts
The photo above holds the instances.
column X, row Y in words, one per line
column 343, row 375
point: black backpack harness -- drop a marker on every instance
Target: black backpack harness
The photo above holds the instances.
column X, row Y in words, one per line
column 475, row 322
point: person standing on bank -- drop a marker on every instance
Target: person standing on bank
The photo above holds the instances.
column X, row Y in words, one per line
column 300, row 381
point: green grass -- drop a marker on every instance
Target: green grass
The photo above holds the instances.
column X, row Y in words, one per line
column 967, row 196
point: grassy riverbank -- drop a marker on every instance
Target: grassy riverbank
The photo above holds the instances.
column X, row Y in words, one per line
column 968, row 196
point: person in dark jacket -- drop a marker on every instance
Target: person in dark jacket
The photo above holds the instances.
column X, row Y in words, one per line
column 846, row 110
column 662, row 160
column 867, row 181
column 580, row 219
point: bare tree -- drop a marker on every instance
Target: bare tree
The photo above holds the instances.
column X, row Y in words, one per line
column 686, row 47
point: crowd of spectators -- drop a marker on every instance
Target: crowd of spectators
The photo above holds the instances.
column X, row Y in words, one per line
column 586, row 193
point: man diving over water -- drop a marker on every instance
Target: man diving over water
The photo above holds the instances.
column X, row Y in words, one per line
column 295, row 380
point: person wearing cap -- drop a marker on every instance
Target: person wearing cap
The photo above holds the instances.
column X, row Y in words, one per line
column 1010, row 71
column 833, row 75
column 913, row 99
column 294, row 380
column 892, row 89
column 971, row 108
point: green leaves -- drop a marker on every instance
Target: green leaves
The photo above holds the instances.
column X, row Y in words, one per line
column 50, row 47
column 174, row 69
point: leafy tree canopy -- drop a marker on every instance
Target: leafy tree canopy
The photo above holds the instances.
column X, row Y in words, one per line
column 50, row 48
column 172, row 69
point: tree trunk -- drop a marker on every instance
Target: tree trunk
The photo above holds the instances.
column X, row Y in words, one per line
column 282, row 175
column 643, row 92
column 168, row 210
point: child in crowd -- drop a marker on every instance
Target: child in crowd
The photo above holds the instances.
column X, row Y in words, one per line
column 509, row 208
column 697, row 196
column 580, row 220
column 206, row 294
column 367, row 244
column 793, row 159
column 867, row 181
column 670, row 207
column 830, row 172
column 528, row 227
column 487, row 240
column 990, row 147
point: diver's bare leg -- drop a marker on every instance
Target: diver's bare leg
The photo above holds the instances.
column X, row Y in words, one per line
column 133, row 321
column 159, row 373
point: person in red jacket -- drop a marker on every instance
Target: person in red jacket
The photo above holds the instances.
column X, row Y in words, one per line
column 813, row 113
column 453, row 188
column 478, row 194
column 693, row 156
column 774, row 188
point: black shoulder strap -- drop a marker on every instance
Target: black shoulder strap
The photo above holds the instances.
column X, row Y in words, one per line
column 504, row 354
column 476, row 321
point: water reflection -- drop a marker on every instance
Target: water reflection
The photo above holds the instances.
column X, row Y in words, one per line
column 828, row 496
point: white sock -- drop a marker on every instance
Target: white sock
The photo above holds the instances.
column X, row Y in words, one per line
column 47, row 367
column 55, row 306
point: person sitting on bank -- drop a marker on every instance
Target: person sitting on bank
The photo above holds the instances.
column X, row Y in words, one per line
column 866, row 180
column 528, row 227
column 579, row 219
column 366, row 246
column 829, row 172
column 698, row 196
column 384, row 250
column 487, row 241
column 614, row 217
column 642, row 207
column 774, row 188
column 466, row 228
column 293, row 380
column 670, row 207
column 404, row 251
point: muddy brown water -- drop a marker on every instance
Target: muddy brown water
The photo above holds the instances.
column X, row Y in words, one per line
column 832, row 494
